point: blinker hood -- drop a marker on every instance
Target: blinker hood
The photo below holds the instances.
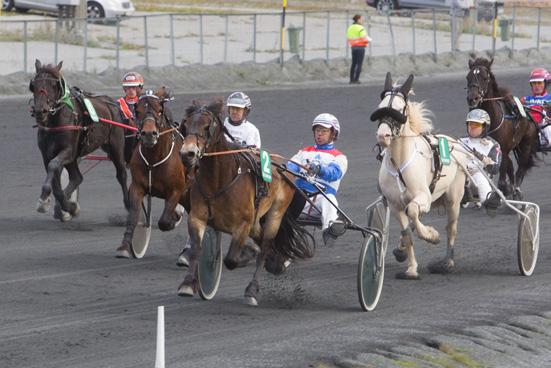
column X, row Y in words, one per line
column 388, row 112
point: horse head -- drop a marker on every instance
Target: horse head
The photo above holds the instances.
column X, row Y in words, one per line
column 150, row 115
column 479, row 81
column 202, row 130
column 48, row 88
column 392, row 112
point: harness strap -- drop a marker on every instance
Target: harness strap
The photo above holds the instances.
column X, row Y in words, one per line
column 151, row 167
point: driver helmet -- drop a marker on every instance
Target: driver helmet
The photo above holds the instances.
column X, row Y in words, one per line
column 132, row 79
column 239, row 99
column 328, row 121
column 479, row 116
column 539, row 75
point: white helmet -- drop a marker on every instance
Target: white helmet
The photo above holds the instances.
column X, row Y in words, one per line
column 239, row 99
column 328, row 121
column 479, row 116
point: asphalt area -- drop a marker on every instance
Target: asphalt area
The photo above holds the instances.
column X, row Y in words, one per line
column 66, row 301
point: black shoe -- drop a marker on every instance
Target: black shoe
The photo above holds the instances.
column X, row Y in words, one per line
column 336, row 228
column 493, row 201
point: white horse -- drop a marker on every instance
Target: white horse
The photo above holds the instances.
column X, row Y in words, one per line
column 412, row 178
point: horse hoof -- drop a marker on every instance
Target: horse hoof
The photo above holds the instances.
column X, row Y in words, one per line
column 43, row 206
column 183, row 258
column 76, row 209
column 185, row 290
column 61, row 215
column 123, row 252
column 400, row 254
column 406, row 276
column 251, row 301
column 441, row 267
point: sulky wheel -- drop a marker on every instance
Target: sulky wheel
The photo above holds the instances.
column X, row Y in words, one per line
column 528, row 241
column 371, row 269
column 209, row 267
column 142, row 232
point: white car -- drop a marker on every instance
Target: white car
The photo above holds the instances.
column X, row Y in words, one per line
column 96, row 8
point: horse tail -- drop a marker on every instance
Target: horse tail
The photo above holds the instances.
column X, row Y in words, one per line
column 292, row 240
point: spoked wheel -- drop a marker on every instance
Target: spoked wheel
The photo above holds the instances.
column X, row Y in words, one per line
column 528, row 241
column 142, row 232
column 209, row 267
column 371, row 265
column 371, row 270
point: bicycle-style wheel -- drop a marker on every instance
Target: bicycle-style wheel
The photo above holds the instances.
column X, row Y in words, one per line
column 142, row 233
column 209, row 267
column 528, row 241
column 371, row 270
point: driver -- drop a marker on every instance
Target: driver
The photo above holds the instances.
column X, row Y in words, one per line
column 132, row 84
column 241, row 130
column 487, row 150
column 539, row 79
column 327, row 165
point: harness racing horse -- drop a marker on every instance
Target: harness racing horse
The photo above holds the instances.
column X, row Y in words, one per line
column 513, row 133
column 156, row 167
column 66, row 133
column 411, row 178
column 224, row 195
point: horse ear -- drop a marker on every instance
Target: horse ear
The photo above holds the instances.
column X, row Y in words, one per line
column 406, row 87
column 37, row 65
column 491, row 62
column 58, row 67
column 388, row 82
column 470, row 63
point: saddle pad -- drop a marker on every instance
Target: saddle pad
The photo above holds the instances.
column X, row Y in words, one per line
column 444, row 150
column 520, row 106
column 266, row 165
column 91, row 110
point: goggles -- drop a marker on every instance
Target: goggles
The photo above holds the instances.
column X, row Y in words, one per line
column 475, row 124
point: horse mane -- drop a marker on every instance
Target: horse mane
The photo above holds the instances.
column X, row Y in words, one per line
column 500, row 91
column 52, row 69
column 419, row 117
column 215, row 106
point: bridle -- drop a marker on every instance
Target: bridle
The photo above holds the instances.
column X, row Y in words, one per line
column 395, row 119
column 481, row 91
column 60, row 100
column 151, row 115
column 212, row 129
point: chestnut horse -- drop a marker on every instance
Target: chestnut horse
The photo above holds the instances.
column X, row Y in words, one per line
column 223, row 196
column 66, row 133
column 156, row 167
column 513, row 133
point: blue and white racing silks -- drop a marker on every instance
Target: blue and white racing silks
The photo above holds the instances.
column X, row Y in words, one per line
column 333, row 165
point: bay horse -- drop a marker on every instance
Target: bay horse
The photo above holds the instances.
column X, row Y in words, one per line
column 66, row 133
column 223, row 195
column 513, row 132
column 410, row 177
column 155, row 167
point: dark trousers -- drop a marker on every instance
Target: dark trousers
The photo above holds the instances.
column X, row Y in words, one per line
column 358, row 54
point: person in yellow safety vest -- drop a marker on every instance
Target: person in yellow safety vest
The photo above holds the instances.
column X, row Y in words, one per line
column 358, row 40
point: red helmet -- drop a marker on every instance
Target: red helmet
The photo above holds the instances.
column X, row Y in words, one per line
column 132, row 79
column 539, row 75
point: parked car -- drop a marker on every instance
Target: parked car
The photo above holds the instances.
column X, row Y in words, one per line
column 96, row 8
column 485, row 7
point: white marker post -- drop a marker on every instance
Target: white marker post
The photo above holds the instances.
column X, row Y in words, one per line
column 160, row 354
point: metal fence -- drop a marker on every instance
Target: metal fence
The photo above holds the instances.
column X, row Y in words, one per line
column 184, row 39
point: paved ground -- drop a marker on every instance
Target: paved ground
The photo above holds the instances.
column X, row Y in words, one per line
column 67, row 302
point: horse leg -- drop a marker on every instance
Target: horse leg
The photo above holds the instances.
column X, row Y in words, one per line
column 405, row 250
column 453, row 201
column 136, row 195
column 52, row 184
column 169, row 216
column 239, row 235
column 419, row 205
column 75, row 178
column 503, row 185
column 196, row 229
column 116, row 154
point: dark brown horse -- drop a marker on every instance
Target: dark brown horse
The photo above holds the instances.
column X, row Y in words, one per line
column 512, row 131
column 223, row 196
column 157, row 157
column 66, row 132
